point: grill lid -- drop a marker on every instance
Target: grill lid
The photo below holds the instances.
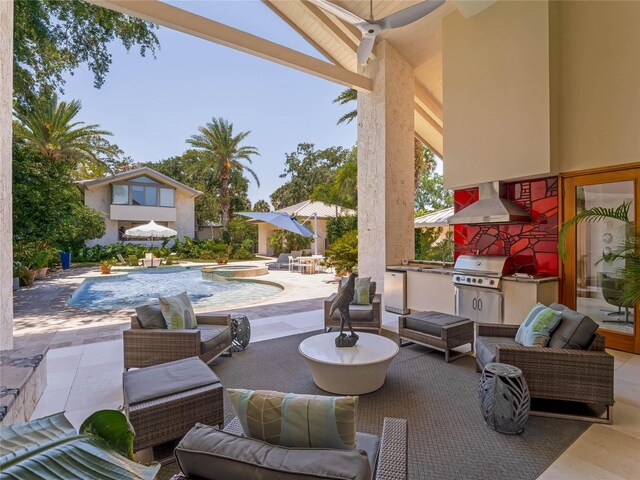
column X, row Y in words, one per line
column 491, row 265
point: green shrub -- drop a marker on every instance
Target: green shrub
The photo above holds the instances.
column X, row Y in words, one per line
column 133, row 260
column 343, row 254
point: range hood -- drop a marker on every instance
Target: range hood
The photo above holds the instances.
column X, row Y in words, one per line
column 491, row 207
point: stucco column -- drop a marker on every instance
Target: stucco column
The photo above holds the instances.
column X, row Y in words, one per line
column 385, row 165
column 6, row 219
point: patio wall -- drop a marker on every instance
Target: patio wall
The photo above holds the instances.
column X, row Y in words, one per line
column 539, row 88
column 6, row 219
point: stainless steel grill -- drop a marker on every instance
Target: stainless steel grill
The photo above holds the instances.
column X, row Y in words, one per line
column 478, row 287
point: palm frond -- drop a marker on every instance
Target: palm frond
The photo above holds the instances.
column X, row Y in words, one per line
column 594, row 214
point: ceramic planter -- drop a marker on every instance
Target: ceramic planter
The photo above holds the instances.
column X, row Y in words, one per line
column 105, row 270
column 41, row 273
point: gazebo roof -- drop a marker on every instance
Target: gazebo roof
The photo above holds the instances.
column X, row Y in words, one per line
column 323, row 210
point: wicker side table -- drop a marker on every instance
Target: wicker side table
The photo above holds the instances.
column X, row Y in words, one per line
column 504, row 398
column 240, row 332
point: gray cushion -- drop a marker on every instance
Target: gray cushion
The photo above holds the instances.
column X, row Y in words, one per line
column 206, row 452
column 371, row 445
column 165, row 379
column 372, row 291
column 150, row 316
column 575, row 330
column 486, row 348
column 431, row 323
column 213, row 336
column 357, row 313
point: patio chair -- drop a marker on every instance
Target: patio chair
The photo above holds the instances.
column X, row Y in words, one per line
column 207, row 453
column 363, row 317
column 144, row 347
column 281, row 263
column 121, row 260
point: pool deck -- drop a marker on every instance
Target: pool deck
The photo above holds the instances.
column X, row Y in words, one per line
column 42, row 316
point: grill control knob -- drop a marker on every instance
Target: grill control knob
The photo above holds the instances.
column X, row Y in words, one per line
column 479, row 280
column 473, row 280
column 468, row 280
column 491, row 282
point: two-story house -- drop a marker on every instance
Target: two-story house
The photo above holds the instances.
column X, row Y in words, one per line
column 138, row 196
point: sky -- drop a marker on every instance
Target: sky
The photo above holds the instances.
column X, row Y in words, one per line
column 153, row 106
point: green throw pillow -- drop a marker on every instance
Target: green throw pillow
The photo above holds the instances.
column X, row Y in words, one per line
column 299, row 421
column 537, row 327
column 178, row 312
column 361, row 293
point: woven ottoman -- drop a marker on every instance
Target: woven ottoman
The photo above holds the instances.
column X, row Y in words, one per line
column 165, row 401
column 437, row 330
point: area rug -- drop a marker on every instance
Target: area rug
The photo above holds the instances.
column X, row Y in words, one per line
column 447, row 436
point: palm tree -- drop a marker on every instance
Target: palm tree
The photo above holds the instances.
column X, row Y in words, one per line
column 346, row 96
column 219, row 150
column 48, row 127
column 629, row 251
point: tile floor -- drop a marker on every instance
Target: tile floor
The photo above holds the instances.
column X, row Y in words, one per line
column 86, row 378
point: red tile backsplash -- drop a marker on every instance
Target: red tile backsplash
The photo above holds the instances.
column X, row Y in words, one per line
column 534, row 246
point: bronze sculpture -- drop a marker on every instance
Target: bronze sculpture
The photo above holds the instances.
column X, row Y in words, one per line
column 341, row 304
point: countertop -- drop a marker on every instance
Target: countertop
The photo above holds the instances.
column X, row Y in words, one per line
column 449, row 271
column 420, row 268
column 534, row 279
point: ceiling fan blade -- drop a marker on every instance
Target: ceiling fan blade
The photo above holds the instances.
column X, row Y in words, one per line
column 409, row 14
column 365, row 48
column 339, row 12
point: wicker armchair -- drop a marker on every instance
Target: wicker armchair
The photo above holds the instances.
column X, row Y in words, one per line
column 558, row 374
column 392, row 454
column 363, row 317
column 144, row 347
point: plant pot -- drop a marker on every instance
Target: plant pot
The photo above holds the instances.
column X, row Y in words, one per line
column 16, row 283
column 41, row 273
column 65, row 259
column 28, row 278
column 105, row 270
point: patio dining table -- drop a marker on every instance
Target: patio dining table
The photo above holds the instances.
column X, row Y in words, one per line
column 309, row 264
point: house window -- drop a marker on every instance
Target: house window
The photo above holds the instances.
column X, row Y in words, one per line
column 120, row 195
column 137, row 195
column 142, row 179
column 151, row 196
column 167, row 197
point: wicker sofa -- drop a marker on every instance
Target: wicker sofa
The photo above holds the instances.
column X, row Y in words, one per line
column 144, row 347
column 206, row 453
column 568, row 374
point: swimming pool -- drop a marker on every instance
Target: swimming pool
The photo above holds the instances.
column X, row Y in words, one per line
column 125, row 292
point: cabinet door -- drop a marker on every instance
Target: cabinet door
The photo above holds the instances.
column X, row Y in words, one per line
column 467, row 303
column 489, row 306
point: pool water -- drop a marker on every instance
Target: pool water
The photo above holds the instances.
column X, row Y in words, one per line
column 141, row 287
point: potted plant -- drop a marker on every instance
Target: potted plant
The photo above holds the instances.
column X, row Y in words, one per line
column 628, row 251
column 105, row 266
column 19, row 271
column 40, row 261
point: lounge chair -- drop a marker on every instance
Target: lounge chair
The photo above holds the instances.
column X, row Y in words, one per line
column 281, row 263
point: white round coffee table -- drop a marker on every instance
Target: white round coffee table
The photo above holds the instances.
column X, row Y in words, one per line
column 349, row 370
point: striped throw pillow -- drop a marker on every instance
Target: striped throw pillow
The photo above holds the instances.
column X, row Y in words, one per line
column 300, row 421
column 538, row 326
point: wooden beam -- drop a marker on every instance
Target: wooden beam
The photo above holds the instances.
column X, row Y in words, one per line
column 331, row 25
column 301, row 32
column 429, row 119
column 424, row 142
column 172, row 17
column 428, row 102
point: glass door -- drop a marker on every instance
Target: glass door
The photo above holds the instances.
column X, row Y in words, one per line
column 593, row 280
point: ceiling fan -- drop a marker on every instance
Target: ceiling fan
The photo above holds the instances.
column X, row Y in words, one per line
column 370, row 28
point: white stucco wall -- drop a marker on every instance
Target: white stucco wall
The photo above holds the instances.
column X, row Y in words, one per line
column 99, row 197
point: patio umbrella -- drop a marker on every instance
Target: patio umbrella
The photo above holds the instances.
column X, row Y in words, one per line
column 151, row 229
column 282, row 220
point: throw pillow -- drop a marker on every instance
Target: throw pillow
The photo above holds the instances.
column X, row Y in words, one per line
column 290, row 420
column 537, row 327
column 575, row 331
column 361, row 291
column 150, row 316
column 178, row 312
column 372, row 291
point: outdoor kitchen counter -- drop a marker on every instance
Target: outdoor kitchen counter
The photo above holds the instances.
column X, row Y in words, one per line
column 420, row 269
column 537, row 280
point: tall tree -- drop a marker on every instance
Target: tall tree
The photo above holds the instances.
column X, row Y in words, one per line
column 54, row 37
column 50, row 128
column 343, row 188
column 220, row 152
column 305, row 169
column 347, row 96
column 261, row 206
